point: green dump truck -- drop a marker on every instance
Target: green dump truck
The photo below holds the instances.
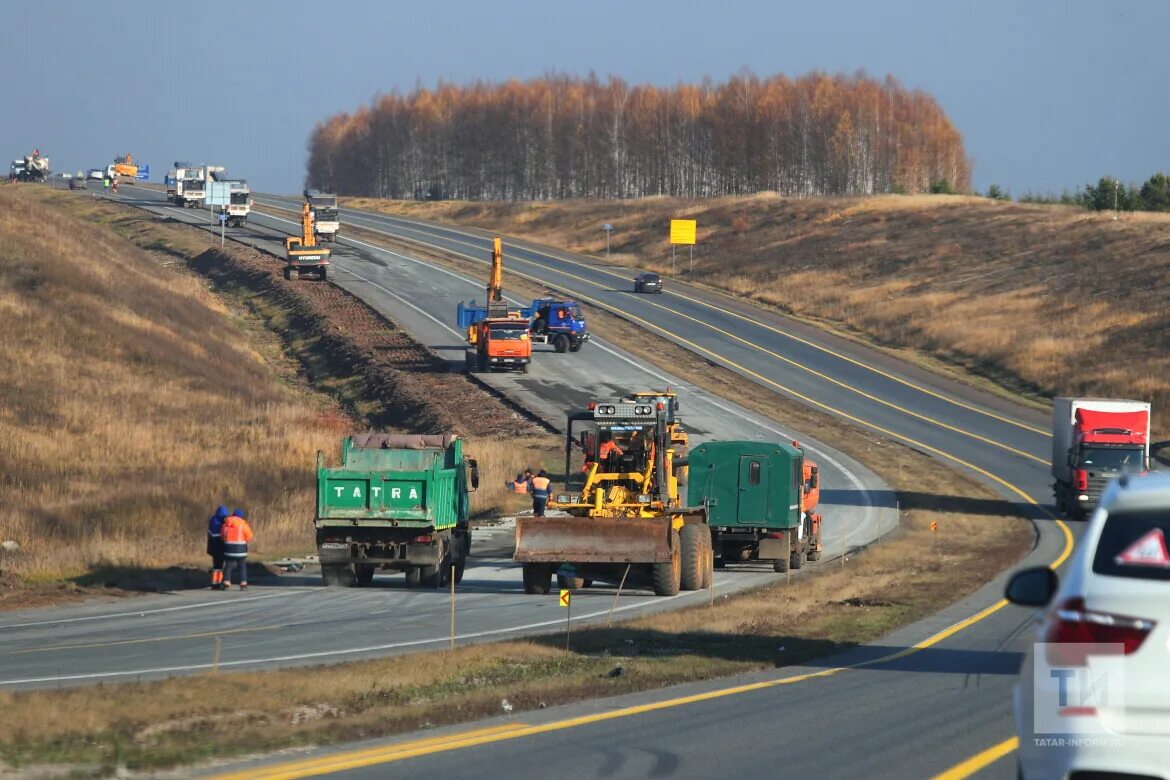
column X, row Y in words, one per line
column 759, row 497
column 398, row 502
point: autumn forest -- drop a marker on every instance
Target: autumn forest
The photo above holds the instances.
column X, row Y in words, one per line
column 565, row 137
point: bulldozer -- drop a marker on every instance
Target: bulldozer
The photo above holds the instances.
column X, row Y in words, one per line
column 625, row 519
column 303, row 254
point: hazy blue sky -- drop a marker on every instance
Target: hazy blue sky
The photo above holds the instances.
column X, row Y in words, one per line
column 1048, row 94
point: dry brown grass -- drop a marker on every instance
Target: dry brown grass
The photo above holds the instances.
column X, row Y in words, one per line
column 1047, row 300
column 133, row 402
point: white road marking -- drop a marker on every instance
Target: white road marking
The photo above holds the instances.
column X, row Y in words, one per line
column 200, row 605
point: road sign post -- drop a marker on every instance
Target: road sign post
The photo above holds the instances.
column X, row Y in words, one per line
column 219, row 193
column 682, row 231
column 608, row 228
column 567, row 603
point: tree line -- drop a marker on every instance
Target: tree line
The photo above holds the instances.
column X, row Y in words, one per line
column 563, row 137
column 1108, row 194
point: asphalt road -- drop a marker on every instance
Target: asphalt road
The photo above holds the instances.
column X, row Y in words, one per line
column 943, row 704
column 293, row 621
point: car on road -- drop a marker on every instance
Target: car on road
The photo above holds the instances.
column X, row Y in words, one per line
column 97, row 173
column 648, row 282
column 1094, row 688
column 77, row 183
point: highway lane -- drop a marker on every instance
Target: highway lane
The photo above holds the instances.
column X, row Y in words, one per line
column 1004, row 444
column 293, row 621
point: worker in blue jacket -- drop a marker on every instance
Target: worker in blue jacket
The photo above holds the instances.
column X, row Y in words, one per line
column 215, row 545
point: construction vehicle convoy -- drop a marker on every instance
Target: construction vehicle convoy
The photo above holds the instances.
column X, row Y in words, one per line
column 759, row 498
column 502, row 337
column 626, row 519
column 303, row 254
column 1093, row 441
column 35, row 167
column 326, row 219
column 398, row 502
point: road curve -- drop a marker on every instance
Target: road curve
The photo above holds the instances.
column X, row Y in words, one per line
column 943, row 699
column 292, row 621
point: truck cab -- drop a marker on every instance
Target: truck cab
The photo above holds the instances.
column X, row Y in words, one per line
column 240, row 204
column 560, row 323
column 500, row 343
column 326, row 217
column 1095, row 440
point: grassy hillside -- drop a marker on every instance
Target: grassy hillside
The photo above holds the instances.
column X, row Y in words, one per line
column 132, row 402
column 1049, row 300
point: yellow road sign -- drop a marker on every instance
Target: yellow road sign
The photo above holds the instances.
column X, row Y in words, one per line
column 934, row 525
column 682, row 231
column 565, row 597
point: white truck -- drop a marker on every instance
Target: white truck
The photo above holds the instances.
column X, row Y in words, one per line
column 326, row 219
column 241, row 203
column 1093, row 441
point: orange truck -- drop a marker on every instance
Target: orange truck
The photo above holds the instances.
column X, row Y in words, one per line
column 497, row 337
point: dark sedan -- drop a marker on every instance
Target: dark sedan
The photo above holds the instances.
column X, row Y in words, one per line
column 648, row 283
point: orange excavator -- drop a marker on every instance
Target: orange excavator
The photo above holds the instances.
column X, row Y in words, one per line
column 304, row 254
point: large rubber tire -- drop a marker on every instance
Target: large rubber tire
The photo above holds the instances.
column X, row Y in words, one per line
column 537, row 579
column 708, row 559
column 576, row 346
column 438, row 576
column 524, row 368
column 482, row 363
column 691, row 547
column 365, row 574
column 572, row 583
column 460, row 567
column 327, row 274
column 413, row 577
column 338, row 575
column 796, row 560
column 561, row 343
column 667, row 576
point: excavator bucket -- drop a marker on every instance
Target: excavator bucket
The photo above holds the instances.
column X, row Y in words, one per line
column 593, row 540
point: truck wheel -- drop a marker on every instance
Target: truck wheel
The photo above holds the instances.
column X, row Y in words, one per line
column 288, row 274
column 796, row 559
column 576, row 346
column 708, row 559
column 571, row 583
column 327, row 273
column 365, row 574
column 561, row 343
column 459, row 569
column 691, row 542
column 667, row 576
column 431, row 576
column 537, row 579
column 523, row 368
column 484, row 366
column 413, row 577
column 780, row 565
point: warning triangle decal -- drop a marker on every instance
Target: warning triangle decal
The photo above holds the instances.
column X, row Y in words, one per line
column 1150, row 550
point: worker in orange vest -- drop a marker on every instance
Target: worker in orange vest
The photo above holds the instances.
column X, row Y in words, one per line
column 608, row 447
column 236, row 535
column 539, row 486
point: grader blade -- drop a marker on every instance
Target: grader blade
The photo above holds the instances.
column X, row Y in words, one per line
column 593, row 540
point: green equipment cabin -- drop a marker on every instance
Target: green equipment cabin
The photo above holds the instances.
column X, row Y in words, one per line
column 398, row 502
column 755, row 495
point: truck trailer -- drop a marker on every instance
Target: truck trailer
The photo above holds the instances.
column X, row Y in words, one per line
column 398, row 502
column 759, row 498
column 326, row 217
column 1093, row 441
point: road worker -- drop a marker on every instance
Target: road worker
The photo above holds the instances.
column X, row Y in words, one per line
column 608, row 447
column 236, row 535
column 539, row 486
column 520, row 484
column 215, row 545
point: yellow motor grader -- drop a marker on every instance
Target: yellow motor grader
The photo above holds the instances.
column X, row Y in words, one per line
column 624, row 461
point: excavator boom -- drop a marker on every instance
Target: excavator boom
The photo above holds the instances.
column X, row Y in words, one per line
column 495, row 288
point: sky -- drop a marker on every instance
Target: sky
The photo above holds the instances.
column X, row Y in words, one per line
column 1048, row 94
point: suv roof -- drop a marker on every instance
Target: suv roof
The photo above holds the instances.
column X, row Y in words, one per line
column 1138, row 491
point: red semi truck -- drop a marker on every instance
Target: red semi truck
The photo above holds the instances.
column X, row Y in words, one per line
column 1093, row 441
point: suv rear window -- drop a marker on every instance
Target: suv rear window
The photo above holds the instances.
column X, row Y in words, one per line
column 1134, row 544
column 649, row 277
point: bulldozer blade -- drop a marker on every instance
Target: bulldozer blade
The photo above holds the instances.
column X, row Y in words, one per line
column 593, row 540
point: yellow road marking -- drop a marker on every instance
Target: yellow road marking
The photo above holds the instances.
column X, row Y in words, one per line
column 730, row 335
column 979, row 760
column 145, row 640
column 780, row 332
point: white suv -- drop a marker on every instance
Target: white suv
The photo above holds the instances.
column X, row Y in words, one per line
column 1089, row 712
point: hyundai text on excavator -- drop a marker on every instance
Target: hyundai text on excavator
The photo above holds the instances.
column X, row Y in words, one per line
column 304, row 254
column 497, row 337
column 622, row 496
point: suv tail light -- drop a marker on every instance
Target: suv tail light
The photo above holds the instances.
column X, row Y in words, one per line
column 1071, row 623
column 1080, row 480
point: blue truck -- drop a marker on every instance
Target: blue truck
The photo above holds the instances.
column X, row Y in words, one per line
column 560, row 323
